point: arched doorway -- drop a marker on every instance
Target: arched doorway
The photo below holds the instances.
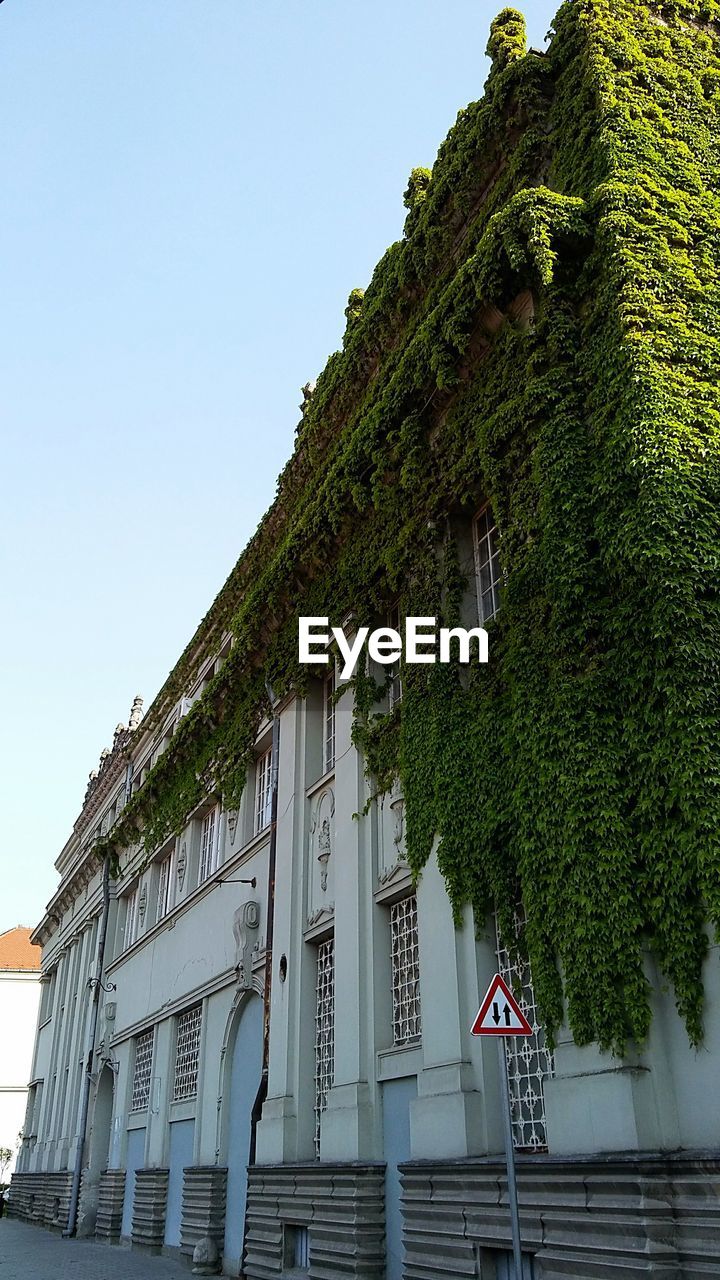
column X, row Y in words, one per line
column 244, row 1080
column 98, row 1150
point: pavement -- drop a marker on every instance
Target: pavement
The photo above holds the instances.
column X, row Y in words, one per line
column 32, row 1253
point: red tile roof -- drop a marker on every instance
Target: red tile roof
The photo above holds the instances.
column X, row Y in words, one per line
column 17, row 951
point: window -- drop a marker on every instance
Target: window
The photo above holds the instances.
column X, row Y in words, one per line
column 529, row 1061
column 164, row 882
column 395, row 681
column 488, row 574
column 131, row 918
column 208, row 844
column 501, row 1262
column 324, row 1031
column 329, row 722
column 32, row 1111
column 142, row 1070
column 296, row 1247
column 187, row 1053
column 47, row 986
column 263, row 792
column 407, row 1023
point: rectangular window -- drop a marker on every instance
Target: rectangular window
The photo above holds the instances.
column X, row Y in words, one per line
column 529, row 1061
column 395, row 681
column 407, row 1024
column 296, row 1248
column 208, row 845
column 131, row 918
column 263, row 792
column 488, row 574
column 328, row 722
column 187, row 1054
column 324, row 1031
column 164, row 882
column 142, row 1071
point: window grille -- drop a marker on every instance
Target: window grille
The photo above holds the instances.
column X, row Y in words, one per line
column 164, row 880
column 407, row 1023
column 528, row 1059
column 324, row 1031
column 208, row 845
column 329, row 722
column 131, row 917
column 395, row 684
column 263, row 792
column 187, row 1054
column 488, row 574
column 144, row 1044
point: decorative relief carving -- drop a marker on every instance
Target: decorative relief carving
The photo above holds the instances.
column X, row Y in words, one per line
column 182, row 864
column 391, row 835
column 245, row 926
column 321, row 849
column 142, row 903
column 232, row 817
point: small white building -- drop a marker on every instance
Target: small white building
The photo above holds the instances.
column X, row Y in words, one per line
column 19, row 997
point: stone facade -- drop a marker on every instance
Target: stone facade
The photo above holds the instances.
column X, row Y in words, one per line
column 340, row 1207
column 203, row 1207
column 605, row 1218
column 110, row 1204
column 43, row 1198
column 149, row 1206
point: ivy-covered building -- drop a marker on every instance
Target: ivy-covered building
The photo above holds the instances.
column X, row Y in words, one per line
column 521, row 430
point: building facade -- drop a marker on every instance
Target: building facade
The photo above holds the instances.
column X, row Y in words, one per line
column 19, row 995
column 286, row 894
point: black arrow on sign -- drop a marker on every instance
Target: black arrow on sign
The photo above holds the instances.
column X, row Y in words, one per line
column 496, row 1013
column 507, row 1013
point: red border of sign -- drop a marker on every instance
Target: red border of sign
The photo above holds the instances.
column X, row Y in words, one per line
column 498, row 984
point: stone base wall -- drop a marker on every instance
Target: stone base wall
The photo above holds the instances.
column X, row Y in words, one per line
column 43, row 1198
column 203, row 1206
column 342, row 1206
column 111, row 1193
column 590, row 1218
column 149, row 1205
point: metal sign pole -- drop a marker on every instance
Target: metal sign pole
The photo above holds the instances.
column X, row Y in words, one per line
column 510, row 1158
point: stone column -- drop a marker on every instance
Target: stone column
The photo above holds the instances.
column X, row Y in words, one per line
column 447, row 1118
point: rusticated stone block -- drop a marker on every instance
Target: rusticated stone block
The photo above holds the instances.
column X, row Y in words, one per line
column 149, row 1206
column 111, row 1193
column 203, row 1206
column 341, row 1205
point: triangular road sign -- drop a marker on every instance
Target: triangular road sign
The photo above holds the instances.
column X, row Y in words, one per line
column 500, row 1014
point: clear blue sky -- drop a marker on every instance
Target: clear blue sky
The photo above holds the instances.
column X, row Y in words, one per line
column 188, row 193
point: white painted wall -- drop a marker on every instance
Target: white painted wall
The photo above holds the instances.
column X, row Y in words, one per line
column 19, row 999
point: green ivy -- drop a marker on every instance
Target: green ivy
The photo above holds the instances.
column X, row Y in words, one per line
column 545, row 336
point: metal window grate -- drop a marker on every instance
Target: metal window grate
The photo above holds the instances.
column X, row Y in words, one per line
column 142, row 1071
column 407, row 1023
column 529, row 1061
column 187, row 1055
column 163, row 899
column 487, row 564
column 208, row 843
column 329, row 722
column 324, row 1031
column 263, row 792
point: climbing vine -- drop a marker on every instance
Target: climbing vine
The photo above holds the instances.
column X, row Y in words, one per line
column 545, row 336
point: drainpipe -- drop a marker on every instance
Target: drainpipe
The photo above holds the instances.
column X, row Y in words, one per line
column 272, row 857
column 87, row 1082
